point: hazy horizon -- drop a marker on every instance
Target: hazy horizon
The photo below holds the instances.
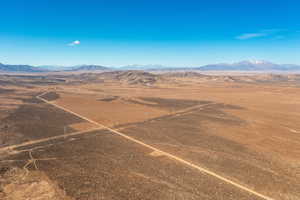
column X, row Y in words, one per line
column 48, row 66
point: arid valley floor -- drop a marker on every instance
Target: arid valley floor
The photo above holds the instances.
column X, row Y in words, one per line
column 137, row 135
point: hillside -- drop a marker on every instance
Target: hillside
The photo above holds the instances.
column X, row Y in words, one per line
column 184, row 75
column 132, row 77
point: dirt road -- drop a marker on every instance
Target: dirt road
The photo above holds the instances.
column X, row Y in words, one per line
column 206, row 171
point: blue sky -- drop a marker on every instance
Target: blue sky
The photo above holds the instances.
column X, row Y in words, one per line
column 168, row 32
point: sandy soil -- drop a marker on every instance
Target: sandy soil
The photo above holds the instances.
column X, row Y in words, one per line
column 23, row 184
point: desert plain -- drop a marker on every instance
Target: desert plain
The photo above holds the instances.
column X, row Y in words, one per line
column 139, row 135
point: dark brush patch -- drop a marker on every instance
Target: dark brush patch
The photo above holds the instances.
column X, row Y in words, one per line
column 36, row 121
column 31, row 99
column 108, row 99
column 229, row 106
column 50, row 96
column 169, row 104
column 6, row 91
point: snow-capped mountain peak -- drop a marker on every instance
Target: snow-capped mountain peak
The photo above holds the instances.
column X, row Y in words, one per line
column 255, row 62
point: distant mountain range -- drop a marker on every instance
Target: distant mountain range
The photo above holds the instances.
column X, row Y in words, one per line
column 87, row 68
column 20, row 68
column 252, row 65
column 49, row 68
column 143, row 67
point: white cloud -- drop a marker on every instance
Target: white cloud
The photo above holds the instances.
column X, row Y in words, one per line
column 274, row 33
column 247, row 36
column 74, row 43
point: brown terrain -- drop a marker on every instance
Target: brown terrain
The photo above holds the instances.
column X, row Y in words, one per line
column 138, row 135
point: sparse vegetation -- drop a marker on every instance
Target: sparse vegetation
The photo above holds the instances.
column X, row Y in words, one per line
column 236, row 126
